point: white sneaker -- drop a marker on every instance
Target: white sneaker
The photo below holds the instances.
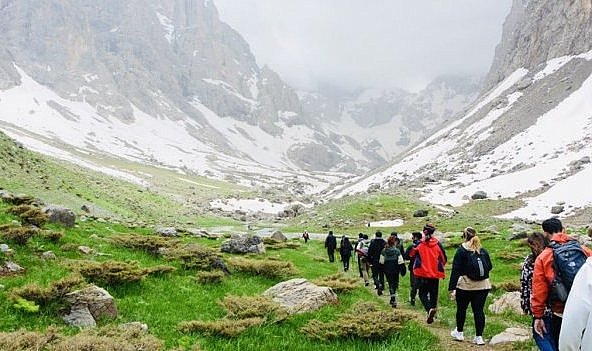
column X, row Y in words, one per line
column 478, row 340
column 458, row 336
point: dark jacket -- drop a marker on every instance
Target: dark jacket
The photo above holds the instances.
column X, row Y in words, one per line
column 374, row 250
column 331, row 242
column 406, row 254
column 461, row 261
column 345, row 249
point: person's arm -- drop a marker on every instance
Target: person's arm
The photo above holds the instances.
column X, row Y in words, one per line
column 577, row 316
column 456, row 272
column 445, row 258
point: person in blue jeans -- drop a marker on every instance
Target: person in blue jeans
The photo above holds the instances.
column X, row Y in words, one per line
column 537, row 243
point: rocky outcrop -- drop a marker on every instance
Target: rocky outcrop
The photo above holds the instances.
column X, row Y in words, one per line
column 299, row 295
column 88, row 305
column 60, row 215
column 279, row 236
column 510, row 335
column 509, row 301
column 242, row 244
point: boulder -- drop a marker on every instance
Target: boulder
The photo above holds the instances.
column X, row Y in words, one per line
column 11, row 268
column 518, row 236
column 166, row 231
column 557, row 209
column 243, row 244
column 4, row 248
column 85, row 250
column 299, row 295
column 49, row 255
column 508, row 301
column 80, row 317
column 511, row 335
column 420, row 213
column 98, row 301
column 279, row 236
column 479, row 195
column 60, row 215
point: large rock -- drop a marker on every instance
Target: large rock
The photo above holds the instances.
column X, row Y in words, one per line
column 511, row 335
column 10, row 268
column 478, row 195
column 420, row 213
column 242, row 244
column 279, row 236
column 166, row 231
column 508, row 301
column 299, row 295
column 557, row 209
column 80, row 317
column 98, row 302
column 60, row 215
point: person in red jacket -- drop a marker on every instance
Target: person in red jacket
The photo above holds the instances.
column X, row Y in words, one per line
column 428, row 267
column 543, row 276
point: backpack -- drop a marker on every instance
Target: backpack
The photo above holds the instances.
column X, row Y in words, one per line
column 567, row 261
column 477, row 267
column 363, row 250
column 390, row 254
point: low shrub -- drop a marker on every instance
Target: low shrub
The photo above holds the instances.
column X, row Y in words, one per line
column 197, row 257
column 507, row 286
column 338, row 282
column 149, row 243
column 28, row 214
column 253, row 306
column 224, row 327
column 277, row 245
column 350, row 325
column 24, row 340
column 19, row 235
column 206, row 277
column 56, row 291
column 265, row 267
column 111, row 272
column 509, row 256
column 26, row 305
column 51, row 235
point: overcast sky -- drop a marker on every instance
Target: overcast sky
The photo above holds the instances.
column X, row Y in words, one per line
column 353, row 44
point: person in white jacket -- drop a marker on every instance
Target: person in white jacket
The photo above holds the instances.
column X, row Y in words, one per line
column 576, row 328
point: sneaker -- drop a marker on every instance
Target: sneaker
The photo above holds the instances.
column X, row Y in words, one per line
column 366, row 283
column 478, row 340
column 458, row 336
column 431, row 315
column 379, row 292
column 393, row 301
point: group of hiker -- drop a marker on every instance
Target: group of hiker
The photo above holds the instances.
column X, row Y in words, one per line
column 548, row 278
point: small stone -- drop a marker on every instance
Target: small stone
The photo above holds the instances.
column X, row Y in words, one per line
column 49, row 255
column 85, row 250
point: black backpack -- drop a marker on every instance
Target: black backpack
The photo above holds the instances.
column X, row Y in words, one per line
column 477, row 267
column 567, row 261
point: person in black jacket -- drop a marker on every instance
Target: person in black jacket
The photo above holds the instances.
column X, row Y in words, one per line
column 469, row 284
column 345, row 251
column 331, row 245
column 413, row 281
column 374, row 250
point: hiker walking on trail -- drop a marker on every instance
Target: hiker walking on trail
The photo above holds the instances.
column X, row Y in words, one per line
column 374, row 250
column 305, row 236
column 416, row 237
column 576, row 331
column 359, row 257
column 469, row 284
column 537, row 243
column 393, row 262
column 331, row 245
column 554, row 271
column 345, row 251
column 362, row 251
column 430, row 258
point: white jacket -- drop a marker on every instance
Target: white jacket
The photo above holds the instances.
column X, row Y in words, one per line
column 576, row 328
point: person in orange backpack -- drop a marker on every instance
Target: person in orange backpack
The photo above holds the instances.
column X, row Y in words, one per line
column 554, row 270
column 428, row 267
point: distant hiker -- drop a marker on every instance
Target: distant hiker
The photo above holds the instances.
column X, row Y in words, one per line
column 374, row 250
column 331, row 245
column 305, row 236
column 550, row 286
column 537, row 243
column 576, row 330
column 362, row 251
column 393, row 262
column 416, row 237
column 428, row 267
column 360, row 238
column 345, row 251
column 469, row 284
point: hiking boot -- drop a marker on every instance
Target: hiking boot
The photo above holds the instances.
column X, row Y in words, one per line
column 478, row 340
column 431, row 315
column 366, row 283
column 412, row 302
column 458, row 336
column 393, row 301
column 379, row 291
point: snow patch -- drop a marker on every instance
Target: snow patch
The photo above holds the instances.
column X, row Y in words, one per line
column 168, row 26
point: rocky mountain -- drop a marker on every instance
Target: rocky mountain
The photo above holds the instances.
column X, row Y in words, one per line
column 165, row 82
column 528, row 136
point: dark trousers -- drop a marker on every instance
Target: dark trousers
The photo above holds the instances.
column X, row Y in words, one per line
column 345, row 260
column 392, row 278
column 360, row 266
column 477, row 300
column 556, row 328
column 331, row 253
column 413, row 284
column 428, row 292
column 378, row 275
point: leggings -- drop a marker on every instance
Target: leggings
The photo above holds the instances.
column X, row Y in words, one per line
column 428, row 292
column 477, row 300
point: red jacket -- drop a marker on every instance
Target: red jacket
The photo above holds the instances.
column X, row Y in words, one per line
column 430, row 259
column 543, row 276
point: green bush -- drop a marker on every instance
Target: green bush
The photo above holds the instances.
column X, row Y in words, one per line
column 148, row 243
column 253, row 306
column 44, row 296
column 225, row 327
column 19, row 235
column 28, row 214
column 111, row 272
column 338, row 282
column 266, row 267
column 206, row 277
